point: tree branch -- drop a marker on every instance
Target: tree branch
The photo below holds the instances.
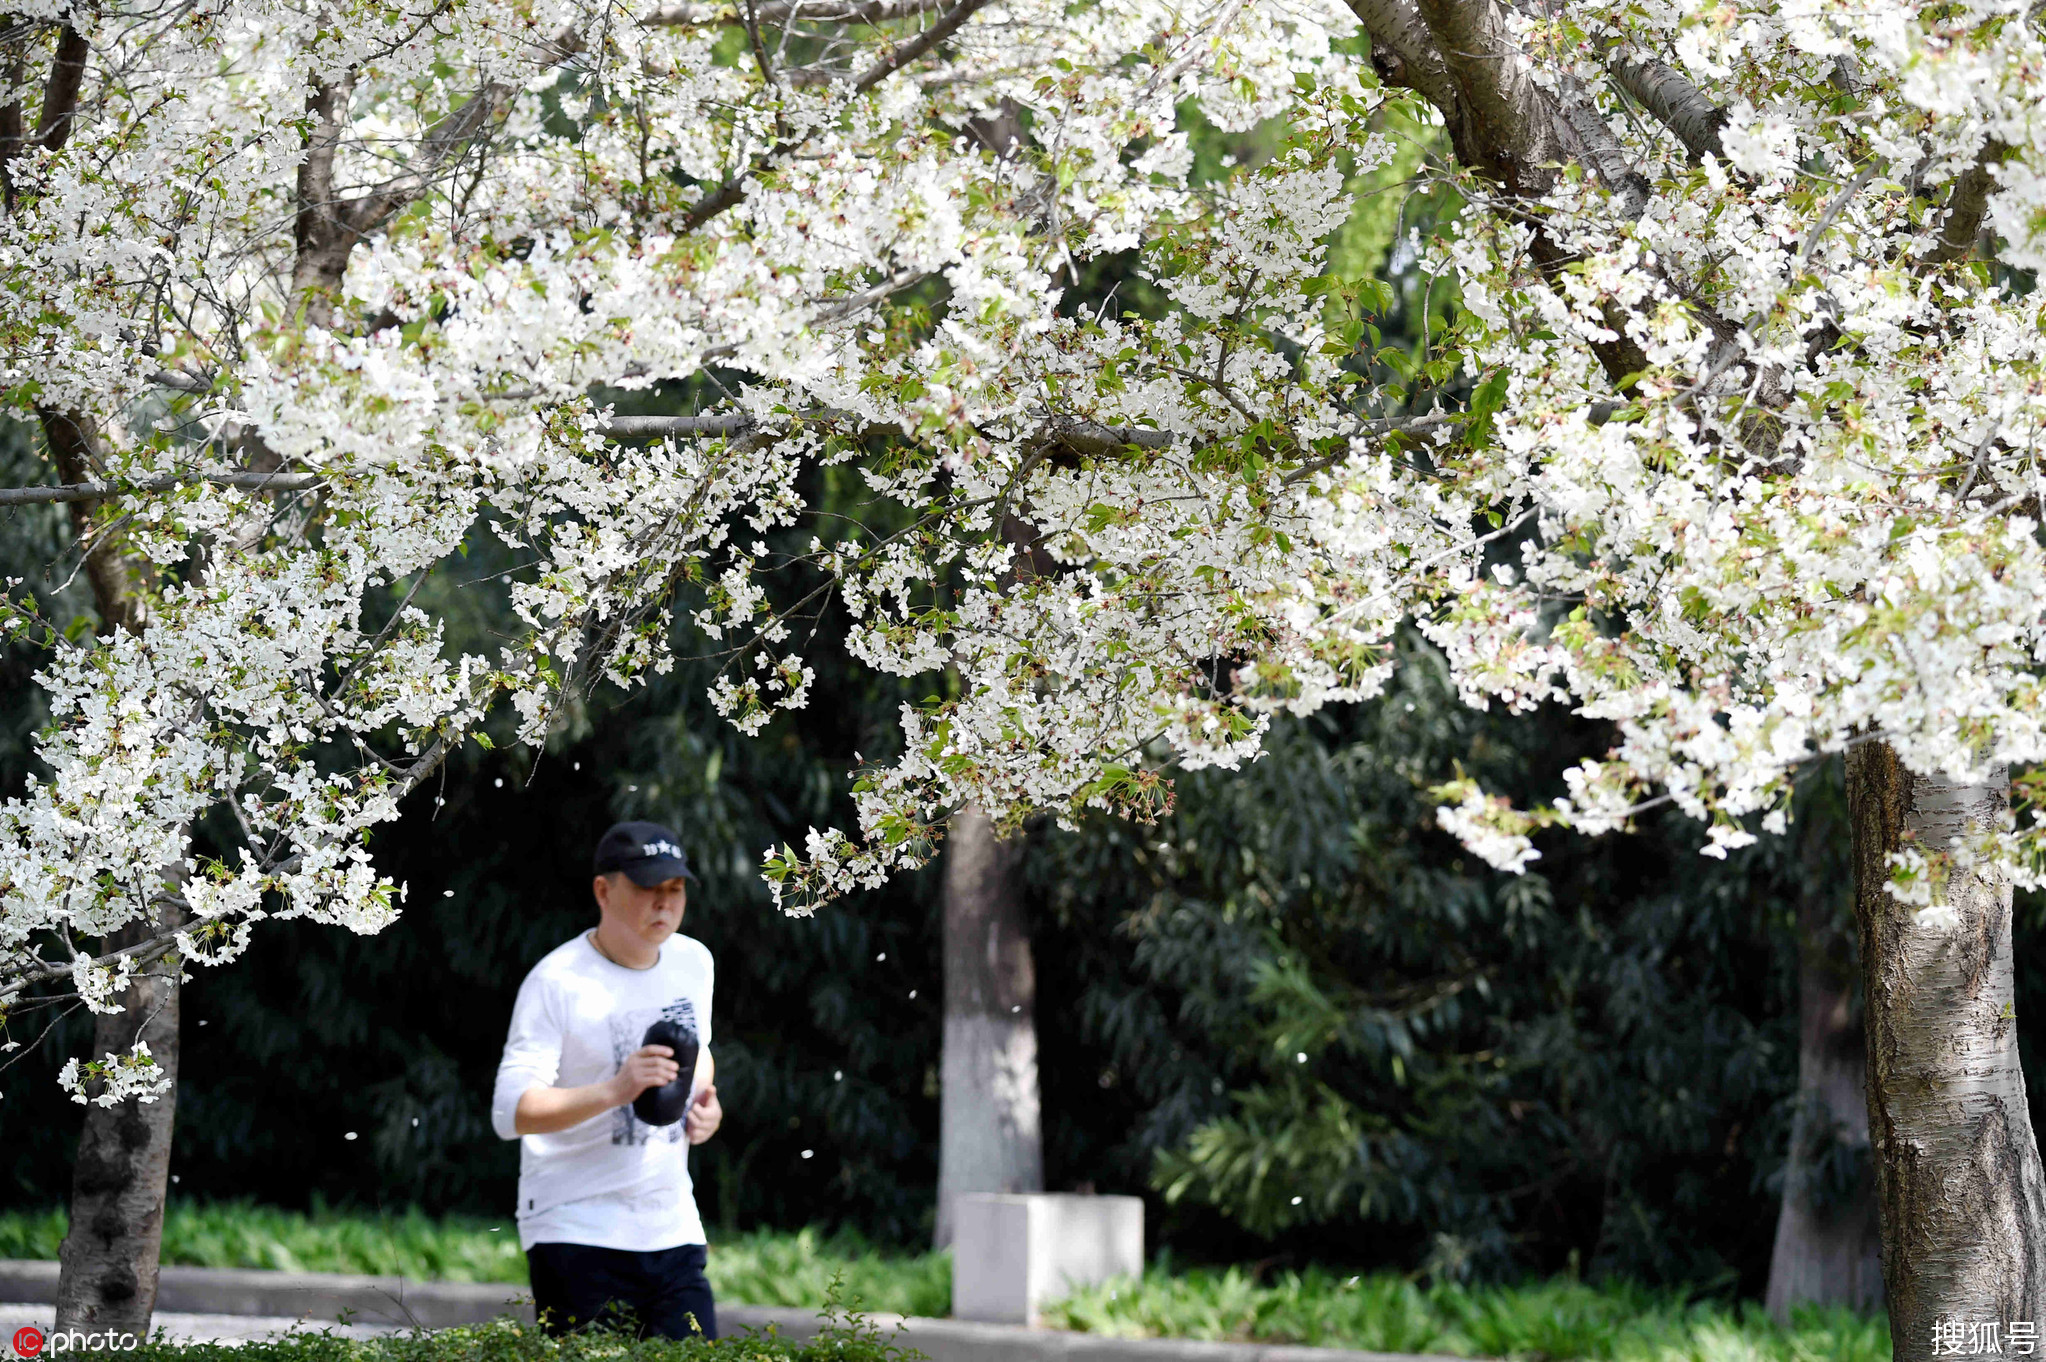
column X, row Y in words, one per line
column 728, row 194
column 787, row 11
column 13, row 135
column 443, row 144
column 1675, row 103
column 1967, row 205
column 1079, row 436
column 320, row 230
column 1092, row 439
column 918, row 46
column 84, row 493
column 181, row 381
column 60, row 93
column 1503, row 125
column 692, row 427
column 1506, row 126
column 144, row 952
column 72, row 439
column 327, row 227
column 1597, row 146
column 1403, row 53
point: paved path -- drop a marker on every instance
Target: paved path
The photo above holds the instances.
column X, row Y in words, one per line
column 192, row 1328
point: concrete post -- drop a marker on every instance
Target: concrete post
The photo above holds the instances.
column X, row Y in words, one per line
column 1012, row 1253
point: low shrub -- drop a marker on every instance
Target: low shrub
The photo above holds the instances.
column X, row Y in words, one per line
column 848, row 1335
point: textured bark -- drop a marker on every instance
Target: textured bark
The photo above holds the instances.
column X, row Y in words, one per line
column 107, row 1277
column 1967, row 205
column 1462, row 57
column 1828, row 1248
column 1958, row 1178
column 1404, row 53
column 60, row 93
column 1675, row 103
column 72, row 444
column 321, row 231
column 988, row 1132
column 1507, row 124
column 13, row 133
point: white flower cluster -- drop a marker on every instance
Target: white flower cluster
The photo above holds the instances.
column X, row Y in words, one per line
column 119, row 1077
column 1734, row 446
column 1813, row 517
column 324, row 291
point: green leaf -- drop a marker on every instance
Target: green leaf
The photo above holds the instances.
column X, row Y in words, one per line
column 1486, row 400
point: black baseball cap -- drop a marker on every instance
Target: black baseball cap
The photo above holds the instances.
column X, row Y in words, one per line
column 646, row 853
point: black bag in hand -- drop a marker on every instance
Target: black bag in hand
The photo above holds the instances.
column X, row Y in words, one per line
column 663, row 1106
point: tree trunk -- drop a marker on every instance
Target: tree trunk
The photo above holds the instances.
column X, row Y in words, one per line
column 1828, row 1250
column 1962, row 1196
column 988, row 1136
column 107, row 1278
column 107, row 1274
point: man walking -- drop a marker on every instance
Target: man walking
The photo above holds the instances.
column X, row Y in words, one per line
column 606, row 1213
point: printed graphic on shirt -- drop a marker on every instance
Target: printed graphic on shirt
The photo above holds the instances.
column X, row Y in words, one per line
column 628, row 1028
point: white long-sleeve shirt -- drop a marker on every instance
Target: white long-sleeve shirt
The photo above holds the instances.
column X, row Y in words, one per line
column 613, row 1181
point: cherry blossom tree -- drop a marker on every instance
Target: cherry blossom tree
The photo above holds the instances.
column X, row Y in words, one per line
column 1763, row 352
column 1731, row 446
column 304, row 296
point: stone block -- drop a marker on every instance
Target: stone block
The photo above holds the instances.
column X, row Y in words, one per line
column 1011, row 1253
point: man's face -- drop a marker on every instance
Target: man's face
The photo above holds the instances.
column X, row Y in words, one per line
column 652, row 915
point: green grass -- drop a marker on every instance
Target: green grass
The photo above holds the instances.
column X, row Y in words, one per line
column 238, row 1234
column 1554, row 1321
column 1542, row 1321
column 797, row 1269
column 760, row 1268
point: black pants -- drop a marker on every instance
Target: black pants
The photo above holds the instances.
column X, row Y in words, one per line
column 658, row 1292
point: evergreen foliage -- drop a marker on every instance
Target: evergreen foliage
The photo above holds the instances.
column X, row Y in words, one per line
column 1342, row 1031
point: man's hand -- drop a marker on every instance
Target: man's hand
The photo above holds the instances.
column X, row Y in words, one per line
column 543, row 1111
column 704, row 1116
column 650, row 1066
